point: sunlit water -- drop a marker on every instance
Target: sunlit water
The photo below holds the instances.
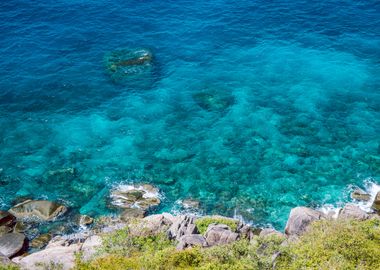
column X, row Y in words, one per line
column 251, row 107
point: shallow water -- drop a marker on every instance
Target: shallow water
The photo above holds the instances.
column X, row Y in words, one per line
column 251, row 107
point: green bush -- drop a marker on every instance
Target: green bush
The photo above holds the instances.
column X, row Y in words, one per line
column 203, row 223
column 9, row 267
column 335, row 245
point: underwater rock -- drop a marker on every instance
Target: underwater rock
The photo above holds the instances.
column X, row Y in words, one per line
column 125, row 64
column 376, row 203
column 12, row 244
column 62, row 175
column 351, row 211
column 213, row 100
column 135, row 196
column 40, row 241
column 300, row 218
column 360, row 195
column 40, row 209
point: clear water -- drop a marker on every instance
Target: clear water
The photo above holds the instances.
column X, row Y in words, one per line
column 297, row 123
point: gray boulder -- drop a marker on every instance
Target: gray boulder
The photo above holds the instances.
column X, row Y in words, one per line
column 220, row 234
column 351, row 211
column 183, row 226
column 191, row 240
column 12, row 244
column 300, row 218
column 40, row 209
column 5, row 261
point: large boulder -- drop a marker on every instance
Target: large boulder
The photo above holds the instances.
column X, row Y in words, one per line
column 135, row 196
column 183, row 226
column 12, row 244
column 191, row 240
column 376, row 203
column 351, row 211
column 300, row 218
column 64, row 256
column 5, row 261
column 220, row 234
column 152, row 225
column 38, row 209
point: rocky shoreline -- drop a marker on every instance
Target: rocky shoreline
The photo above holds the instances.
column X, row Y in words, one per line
column 186, row 230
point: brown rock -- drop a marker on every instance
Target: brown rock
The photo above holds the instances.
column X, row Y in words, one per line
column 85, row 220
column 220, row 234
column 6, row 218
column 40, row 241
column 132, row 213
column 351, row 211
column 5, row 230
column 40, row 209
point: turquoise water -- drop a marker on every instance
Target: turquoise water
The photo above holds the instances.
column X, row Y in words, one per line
column 251, row 107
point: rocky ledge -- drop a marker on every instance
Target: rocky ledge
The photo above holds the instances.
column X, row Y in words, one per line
column 186, row 231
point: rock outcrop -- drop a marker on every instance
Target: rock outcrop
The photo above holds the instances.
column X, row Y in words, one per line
column 376, row 203
column 38, row 209
column 191, row 240
column 351, row 211
column 220, row 234
column 360, row 195
column 184, row 225
column 300, row 218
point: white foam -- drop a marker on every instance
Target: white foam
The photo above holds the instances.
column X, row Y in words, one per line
column 372, row 188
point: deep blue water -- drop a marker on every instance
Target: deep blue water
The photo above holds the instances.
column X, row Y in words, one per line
column 297, row 123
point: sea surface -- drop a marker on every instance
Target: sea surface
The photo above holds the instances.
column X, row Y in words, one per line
column 251, row 107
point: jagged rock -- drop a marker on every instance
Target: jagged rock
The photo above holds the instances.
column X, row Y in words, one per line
column 12, row 244
column 376, row 202
column 191, row 240
column 6, row 218
column 64, row 256
column 183, row 226
column 351, row 211
column 268, row 232
column 40, row 241
column 40, row 209
column 220, row 234
column 247, row 232
column 360, row 195
column 152, row 225
column 135, row 196
column 300, row 218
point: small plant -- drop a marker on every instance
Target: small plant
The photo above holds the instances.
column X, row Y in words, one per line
column 203, row 223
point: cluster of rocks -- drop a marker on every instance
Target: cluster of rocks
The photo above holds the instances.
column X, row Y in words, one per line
column 182, row 228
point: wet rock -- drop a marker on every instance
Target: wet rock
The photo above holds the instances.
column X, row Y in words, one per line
column 191, row 240
column 85, row 220
column 220, row 234
column 268, row 232
column 190, row 204
column 40, row 241
column 135, row 196
column 40, row 209
column 21, row 227
column 360, row 195
column 6, row 218
column 351, row 211
column 183, row 226
column 12, row 244
column 214, row 100
column 300, row 218
column 376, row 203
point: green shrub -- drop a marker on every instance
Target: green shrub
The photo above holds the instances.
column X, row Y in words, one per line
column 335, row 245
column 203, row 223
column 9, row 267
